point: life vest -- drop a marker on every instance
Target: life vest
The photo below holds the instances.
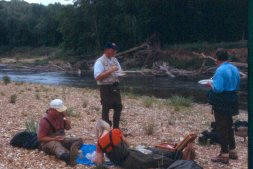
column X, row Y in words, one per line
column 55, row 132
column 118, row 153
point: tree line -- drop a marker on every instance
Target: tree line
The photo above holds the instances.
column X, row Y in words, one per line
column 87, row 25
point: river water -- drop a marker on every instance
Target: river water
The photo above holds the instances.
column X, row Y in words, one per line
column 161, row 87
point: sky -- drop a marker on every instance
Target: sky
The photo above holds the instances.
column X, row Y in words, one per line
column 46, row 2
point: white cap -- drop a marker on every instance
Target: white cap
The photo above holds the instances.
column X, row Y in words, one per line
column 58, row 105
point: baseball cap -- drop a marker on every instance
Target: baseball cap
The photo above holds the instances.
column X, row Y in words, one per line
column 111, row 46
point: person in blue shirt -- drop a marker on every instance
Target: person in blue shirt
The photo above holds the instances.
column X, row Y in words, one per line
column 224, row 100
column 226, row 78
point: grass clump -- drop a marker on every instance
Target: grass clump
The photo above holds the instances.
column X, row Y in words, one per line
column 37, row 96
column 130, row 95
column 6, row 79
column 179, row 101
column 149, row 128
column 71, row 113
column 40, row 62
column 13, row 98
column 148, row 101
column 31, row 125
column 85, row 103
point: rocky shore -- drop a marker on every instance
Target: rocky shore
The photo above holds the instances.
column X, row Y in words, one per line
column 165, row 121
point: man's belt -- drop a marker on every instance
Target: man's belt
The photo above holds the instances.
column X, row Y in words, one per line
column 110, row 85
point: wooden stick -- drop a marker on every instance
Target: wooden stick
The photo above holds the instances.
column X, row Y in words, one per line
column 203, row 65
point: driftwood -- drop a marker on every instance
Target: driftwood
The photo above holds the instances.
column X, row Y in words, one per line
column 239, row 64
column 142, row 46
column 203, row 65
column 58, row 67
column 162, row 69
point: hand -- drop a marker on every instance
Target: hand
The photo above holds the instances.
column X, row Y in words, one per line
column 59, row 138
column 114, row 69
column 209, row 84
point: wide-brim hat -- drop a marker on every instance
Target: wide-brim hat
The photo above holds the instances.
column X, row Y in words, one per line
column 58, row 105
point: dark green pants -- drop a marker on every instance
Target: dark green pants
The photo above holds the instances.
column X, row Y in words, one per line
column 225, row 131
column 111, row 99
column 138, row 160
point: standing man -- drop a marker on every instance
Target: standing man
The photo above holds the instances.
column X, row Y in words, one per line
column 224, row 100
column 105, row 73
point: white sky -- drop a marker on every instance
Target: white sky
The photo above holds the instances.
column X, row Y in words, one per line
column 46, row 2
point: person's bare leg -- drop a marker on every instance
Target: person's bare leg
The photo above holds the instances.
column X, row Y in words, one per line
column 188, row 152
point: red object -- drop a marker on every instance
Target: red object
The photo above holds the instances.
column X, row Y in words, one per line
column 105, row 140
column 178, row 147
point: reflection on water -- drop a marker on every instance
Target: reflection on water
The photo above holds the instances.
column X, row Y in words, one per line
column 143, row 85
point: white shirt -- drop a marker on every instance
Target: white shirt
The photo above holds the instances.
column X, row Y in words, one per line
column 99, row 67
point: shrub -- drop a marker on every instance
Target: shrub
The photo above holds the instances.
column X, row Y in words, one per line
column 149, row 128
column 13, row 98
column 6, row 79
column 31, row 125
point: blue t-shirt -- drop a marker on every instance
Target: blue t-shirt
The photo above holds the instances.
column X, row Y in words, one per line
column 226, row 78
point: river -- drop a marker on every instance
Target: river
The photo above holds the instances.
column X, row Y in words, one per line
column 162, row 87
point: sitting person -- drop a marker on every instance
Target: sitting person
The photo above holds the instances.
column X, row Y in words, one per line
column 51, row 134
column 116, row 148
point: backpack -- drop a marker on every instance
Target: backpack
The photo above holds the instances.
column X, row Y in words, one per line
column 238, row 124
column 26, row 140
column 212, row 135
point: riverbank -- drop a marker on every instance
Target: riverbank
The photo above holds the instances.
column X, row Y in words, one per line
column 179, row 56
column 167, row 122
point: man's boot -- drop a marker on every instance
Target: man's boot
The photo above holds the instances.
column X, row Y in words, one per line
column 65, row 157
column 222, row 158
column 73, row 154
column 233, row 155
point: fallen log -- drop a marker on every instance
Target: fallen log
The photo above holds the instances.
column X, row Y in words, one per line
column 142, row 46
column 239, row 64
column 59, row 67
column 162, row 69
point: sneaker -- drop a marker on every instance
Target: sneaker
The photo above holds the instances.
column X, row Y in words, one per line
column 222, row 158
column 73, row 154
column 233, row 155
